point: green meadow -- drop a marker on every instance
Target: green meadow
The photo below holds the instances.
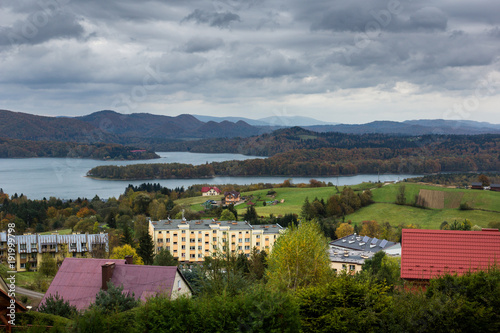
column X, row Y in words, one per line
column 486, row 204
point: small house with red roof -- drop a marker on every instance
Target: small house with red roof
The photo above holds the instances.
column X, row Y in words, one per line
column 209, row 191
column 428, row 254
column 9, row 306
column 79, row 280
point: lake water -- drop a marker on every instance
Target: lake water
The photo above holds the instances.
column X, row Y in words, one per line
column 65, row 177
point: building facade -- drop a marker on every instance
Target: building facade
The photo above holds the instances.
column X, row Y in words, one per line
column 30, row 248
column 192, row 241
column 209, row 191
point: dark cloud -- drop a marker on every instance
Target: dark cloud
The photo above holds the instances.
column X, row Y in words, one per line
column 214, row 19
column 41, row 27
column 202, row 44
column 245, row 53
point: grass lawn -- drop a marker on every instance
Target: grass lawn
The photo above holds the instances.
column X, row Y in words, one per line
column 294, row 199
column 61, row 232
column 425, row 218
column 476, row 198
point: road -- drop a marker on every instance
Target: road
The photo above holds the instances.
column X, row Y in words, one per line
column 29, row 293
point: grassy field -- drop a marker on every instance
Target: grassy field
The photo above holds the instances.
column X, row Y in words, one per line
column 475, row 198
column 425, row 218
column 294, row 199
column 60, row 231
column 384, row 210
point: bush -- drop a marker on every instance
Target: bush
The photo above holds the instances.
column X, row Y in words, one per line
column 55, row 305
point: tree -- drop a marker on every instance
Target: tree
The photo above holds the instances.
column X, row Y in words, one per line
column 114, row 300
column 485, row 181
column 344, row 229
column 48, row 266
column 370, row 229
column 251, row 214
column 126, row 237
column 121, row 252
column 227, row 215
column 299, row 257
column 146, row 248
column 307, row 210
column 165, row 258
column 55, row 305
column 401, row 197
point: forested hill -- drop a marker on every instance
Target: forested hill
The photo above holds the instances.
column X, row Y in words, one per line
column 12, row 148
column 287, row 139
column 449, row 154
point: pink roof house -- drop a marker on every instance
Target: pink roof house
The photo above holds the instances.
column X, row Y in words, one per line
column 80, row 279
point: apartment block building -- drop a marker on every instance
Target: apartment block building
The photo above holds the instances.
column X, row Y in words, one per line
column 192, row 241
column 29, row 248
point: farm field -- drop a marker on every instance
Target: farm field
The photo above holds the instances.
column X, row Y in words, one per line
column 475, row 198
column 384, row 209
column 424, row 218
column 294, row 199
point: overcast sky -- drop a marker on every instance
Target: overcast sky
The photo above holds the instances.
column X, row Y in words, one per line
column 346, row 61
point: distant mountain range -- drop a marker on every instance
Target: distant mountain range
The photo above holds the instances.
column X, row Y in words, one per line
column 113, row 127
column 412, row 127
column 273, row 121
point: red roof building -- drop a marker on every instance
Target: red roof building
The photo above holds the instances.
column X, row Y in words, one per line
column 80, row 279
column 209, row 190
column 430, row 253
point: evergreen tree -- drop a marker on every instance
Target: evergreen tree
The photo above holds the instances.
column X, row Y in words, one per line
column 251, row 214
column 146, row 248
column 126, row 237
column 165, row 258
column 57, row 306
column 114, row 300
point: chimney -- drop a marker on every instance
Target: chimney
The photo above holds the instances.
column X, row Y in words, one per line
column 107, row 274
column 129, row 260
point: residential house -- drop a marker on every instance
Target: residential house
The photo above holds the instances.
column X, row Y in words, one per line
column 29, row 248
column 495, row 187
column 232, row 197
column 192, row 241
column 79, row 280
column 209, row 191
column 477, row 186
column 430, row 253
column 350, row 252
column 8, row 305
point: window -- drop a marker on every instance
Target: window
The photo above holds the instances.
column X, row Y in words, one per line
column 175, row 251
column 214, row 232
column 267, row 239
column 199, row 232
column 23, row 266
column 199, row 239
column 352, row 267
column 179, row 284
column 23, row 255
column 183, row 231
column 246, row 232
column 160, row 240
column 23, row 247
column 167, row 240
column 192, row 248
column 159, row 232
column 33, row 245
column 240, row 240
column 200, row 255
column 175, row 243
column 206, row 243
column 344, row 266
column 192, row 255
column 183, row 239
column 199, row 247
column 175, row 235
column 214, row 239
column 167, row 248
column 247, row 247
column 192, row 240
column 257, row 243
column 258, row 236
column 214, row 247
column 183, row 255
column 247, row 240
column 183, row 247
column 74, row 254
column 158, row 249
column 192, row 232
column 240, row 248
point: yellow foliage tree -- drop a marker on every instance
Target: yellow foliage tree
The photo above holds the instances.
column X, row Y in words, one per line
column 299, row 258
column 126, row 250
column 344, row 229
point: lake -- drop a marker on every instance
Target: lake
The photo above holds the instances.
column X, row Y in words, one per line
column 65, row 177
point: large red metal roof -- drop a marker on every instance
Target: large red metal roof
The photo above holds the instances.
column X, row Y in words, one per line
column 430, row 253
column 79, row 280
